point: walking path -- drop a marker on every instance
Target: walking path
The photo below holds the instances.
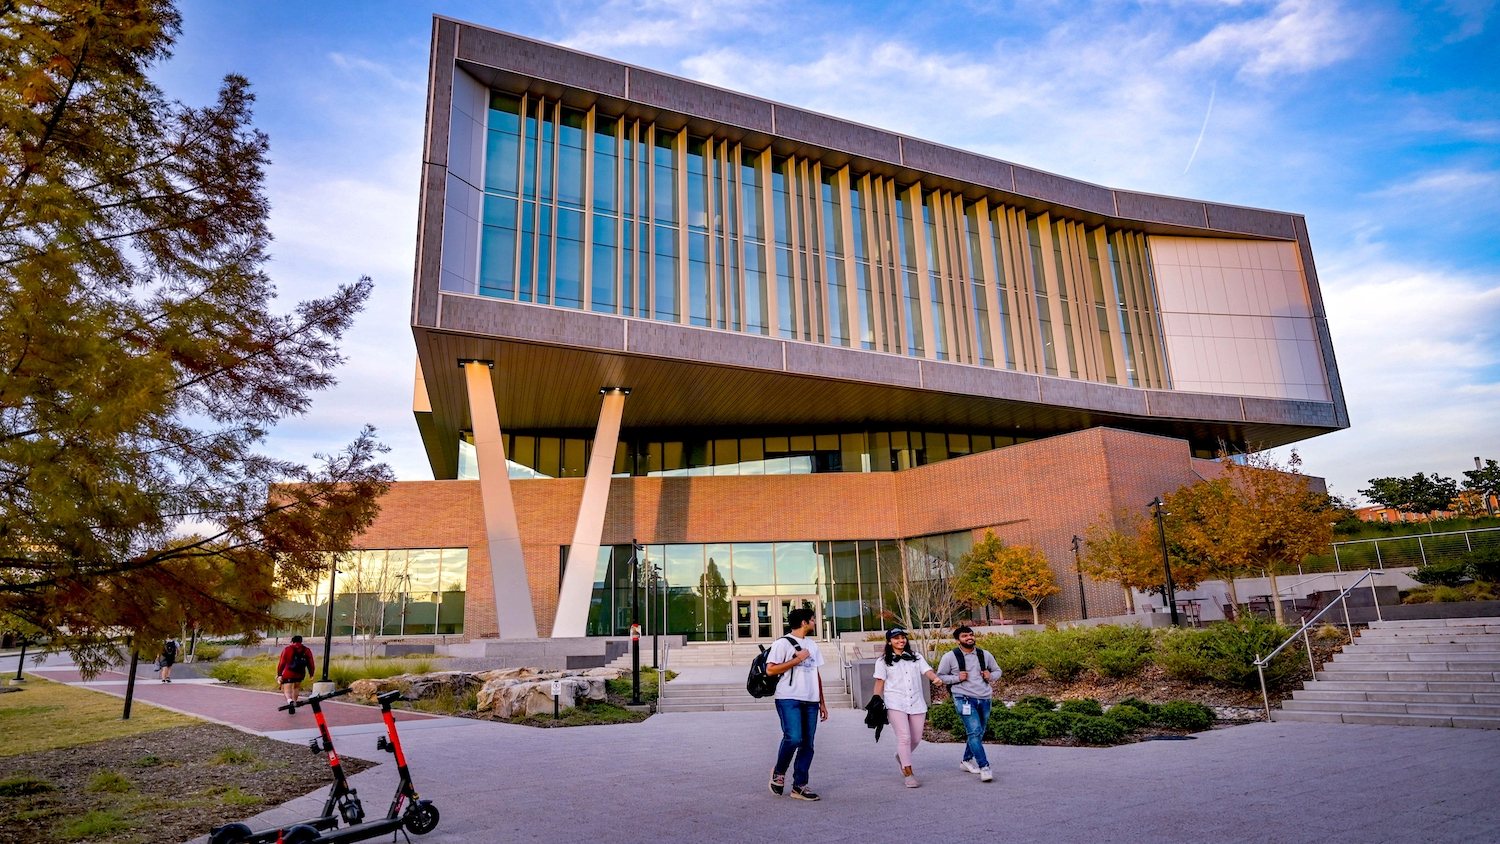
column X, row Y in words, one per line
column 245, row 709
column 700, row 778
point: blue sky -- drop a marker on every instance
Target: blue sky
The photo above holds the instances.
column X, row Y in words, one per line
column 1378, row 121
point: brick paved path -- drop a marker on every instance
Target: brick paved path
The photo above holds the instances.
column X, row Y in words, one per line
column 700, row 778
column 246, row 708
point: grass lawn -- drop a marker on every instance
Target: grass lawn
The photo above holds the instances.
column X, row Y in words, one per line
column 48, row 715
column 259, row 672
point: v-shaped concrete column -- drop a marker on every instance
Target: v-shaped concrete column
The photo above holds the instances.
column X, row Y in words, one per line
column 578, row 579
column 513, row 611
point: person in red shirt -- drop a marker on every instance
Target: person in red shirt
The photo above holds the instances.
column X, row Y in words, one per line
column 295, row 664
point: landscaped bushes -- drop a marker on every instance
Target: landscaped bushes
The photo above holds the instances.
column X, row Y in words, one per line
column 1223, row 652
column 1032, row 719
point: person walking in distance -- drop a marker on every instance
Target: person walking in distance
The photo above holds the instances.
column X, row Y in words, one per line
column 167, row 659
column 799, row 700
column 295, row 664
column 898, row 681
column 968, row 672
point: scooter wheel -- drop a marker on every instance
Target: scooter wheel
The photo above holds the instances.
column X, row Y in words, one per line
column 230, row 834
column 300, row 834
column 422, row 818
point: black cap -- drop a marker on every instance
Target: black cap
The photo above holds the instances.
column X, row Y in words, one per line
column 894, row 632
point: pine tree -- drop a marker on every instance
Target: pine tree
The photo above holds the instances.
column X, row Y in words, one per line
column 142, row 361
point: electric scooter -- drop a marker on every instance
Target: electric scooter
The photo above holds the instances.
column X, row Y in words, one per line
column 419, row 817
column 343, row 801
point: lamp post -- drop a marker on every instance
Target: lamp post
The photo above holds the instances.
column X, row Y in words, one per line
column 20, row 664
column 635, row 624
column 333, row 571
column 1083, row 602
column 1159, row 511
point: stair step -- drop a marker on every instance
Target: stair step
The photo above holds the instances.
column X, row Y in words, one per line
column 1386, row 720
column 1388, row 686
column 1487, row 646
column 1332, row 672
column 1449, row 710
column 1438, row 634
column 1465, row 666
column 1415, row 623
column 1393, row 697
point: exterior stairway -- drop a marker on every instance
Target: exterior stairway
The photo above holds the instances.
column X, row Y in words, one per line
column 1425, row 673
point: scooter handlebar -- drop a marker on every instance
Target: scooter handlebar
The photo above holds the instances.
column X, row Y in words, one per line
column 291, row 705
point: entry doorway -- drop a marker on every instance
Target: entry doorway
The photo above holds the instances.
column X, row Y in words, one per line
column 764, row 618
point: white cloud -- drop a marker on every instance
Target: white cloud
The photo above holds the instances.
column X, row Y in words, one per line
column 1442, row 183
column 1295, row 37
column 1419, row 353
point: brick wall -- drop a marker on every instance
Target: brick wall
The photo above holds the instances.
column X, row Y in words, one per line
column 1042, row 492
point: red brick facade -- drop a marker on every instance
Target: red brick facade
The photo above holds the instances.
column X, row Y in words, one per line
column 1043, row 492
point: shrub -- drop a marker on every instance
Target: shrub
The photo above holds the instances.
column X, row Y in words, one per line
column 1012, row 653
column 1085, row 706
column 1484, row 565
column 208, row 653
column 108, row 781
column 1435, row 595
column 1119, row 662
column 1037, row 702
column 25, row 785
column 944, row 717
column 1137, row 703
column 1130, row 717
column 1051, row 724
column 1328, row 632
column 1442, row 572
column 237, row 673
column 1091, row 729
column 1118, row 651
column 1060, row 656
column 1185, row 715
column 1225, row 653
column 1017, row 731
column 150, row 760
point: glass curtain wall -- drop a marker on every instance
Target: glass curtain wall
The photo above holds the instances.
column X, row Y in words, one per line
column 688, row 589
column 589, row 211
column 394, row 592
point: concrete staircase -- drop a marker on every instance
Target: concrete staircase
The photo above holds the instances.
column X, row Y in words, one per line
column 1423, row 673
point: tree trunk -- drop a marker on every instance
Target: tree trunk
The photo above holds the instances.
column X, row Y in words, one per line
column 130, row 681
column 1275, row 595
column 1129, row 600
column 1035, row 619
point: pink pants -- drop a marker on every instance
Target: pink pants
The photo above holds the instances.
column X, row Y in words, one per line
column 908, row 730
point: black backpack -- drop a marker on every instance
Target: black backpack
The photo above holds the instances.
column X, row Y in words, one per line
column 298, row 663
column 759, row 683
column 169, row 652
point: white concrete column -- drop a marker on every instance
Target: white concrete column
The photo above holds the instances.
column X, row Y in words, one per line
column 578, row 579
column 513, row 610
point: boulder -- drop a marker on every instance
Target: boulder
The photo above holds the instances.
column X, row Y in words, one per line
column 368, row 689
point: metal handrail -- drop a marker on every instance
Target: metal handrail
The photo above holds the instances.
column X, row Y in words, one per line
column 1260, row 663
column 1347, row 542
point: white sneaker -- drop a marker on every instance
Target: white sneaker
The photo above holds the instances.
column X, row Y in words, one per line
column 985, row 775
column 969, row 766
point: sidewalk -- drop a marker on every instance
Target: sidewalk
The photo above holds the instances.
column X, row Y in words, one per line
column 245, row 709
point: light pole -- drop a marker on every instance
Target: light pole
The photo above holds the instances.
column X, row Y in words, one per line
column 635, row 624
column 333, row 571
column 1083, row 602
column 1160, row 512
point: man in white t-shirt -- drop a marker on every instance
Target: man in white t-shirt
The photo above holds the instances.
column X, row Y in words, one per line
column 799, row 700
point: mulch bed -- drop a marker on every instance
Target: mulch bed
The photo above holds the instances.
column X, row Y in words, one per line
column 176, row 791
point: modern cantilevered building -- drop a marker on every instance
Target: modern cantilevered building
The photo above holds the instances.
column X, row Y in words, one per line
column 784, row 351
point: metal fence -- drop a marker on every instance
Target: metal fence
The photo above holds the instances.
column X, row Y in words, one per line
column 1401, row 551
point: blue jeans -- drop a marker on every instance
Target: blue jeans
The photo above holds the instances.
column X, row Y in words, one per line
column 799, row 722
column 974, row 724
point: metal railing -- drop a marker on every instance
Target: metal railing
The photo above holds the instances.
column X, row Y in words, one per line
column 1262, row 662
column 1415, row 549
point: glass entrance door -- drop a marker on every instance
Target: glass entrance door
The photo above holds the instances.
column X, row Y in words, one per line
column 762, row 619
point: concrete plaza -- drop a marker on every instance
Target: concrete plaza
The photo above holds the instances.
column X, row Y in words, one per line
column 701, row 777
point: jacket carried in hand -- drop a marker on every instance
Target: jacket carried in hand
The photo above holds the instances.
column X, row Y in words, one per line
column 875, row 715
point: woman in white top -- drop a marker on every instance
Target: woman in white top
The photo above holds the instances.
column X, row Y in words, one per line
column 898, row 680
